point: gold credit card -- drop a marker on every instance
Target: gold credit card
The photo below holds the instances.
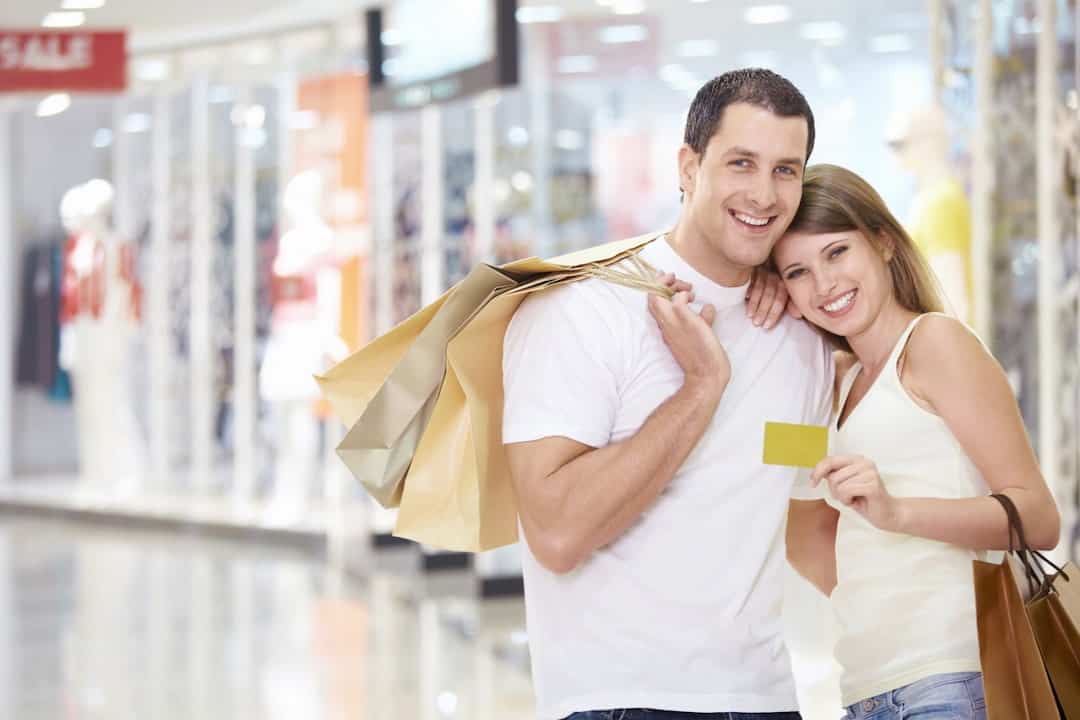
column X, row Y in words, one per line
column 797, row 445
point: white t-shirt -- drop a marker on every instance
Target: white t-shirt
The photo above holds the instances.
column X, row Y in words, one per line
column 682, row 612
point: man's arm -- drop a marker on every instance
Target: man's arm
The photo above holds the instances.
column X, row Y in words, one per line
column 573, row 499
column 811, row 542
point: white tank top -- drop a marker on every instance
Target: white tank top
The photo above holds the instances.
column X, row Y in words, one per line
column 905, row 605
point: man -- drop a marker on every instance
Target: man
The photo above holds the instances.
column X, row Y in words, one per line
column 634, row 425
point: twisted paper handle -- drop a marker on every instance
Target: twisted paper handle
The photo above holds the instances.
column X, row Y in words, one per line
column 642, row 276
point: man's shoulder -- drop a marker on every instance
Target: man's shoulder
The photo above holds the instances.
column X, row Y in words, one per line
column 584, row 300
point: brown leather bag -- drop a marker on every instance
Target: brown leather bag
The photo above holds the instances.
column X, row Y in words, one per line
column 1014, row 676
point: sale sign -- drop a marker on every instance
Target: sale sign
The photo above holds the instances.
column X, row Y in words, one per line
column 70, row 61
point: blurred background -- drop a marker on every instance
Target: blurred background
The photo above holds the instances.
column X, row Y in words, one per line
column 203, row 203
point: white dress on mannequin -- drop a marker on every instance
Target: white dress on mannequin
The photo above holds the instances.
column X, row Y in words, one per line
column 96, row 342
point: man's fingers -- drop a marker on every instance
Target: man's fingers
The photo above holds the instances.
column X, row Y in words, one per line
column 764, row 305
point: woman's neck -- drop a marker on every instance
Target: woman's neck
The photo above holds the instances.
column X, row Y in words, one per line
column 873, row 346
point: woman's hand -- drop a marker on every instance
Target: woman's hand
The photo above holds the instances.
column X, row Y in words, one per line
column 854, row 481
column 767, row 298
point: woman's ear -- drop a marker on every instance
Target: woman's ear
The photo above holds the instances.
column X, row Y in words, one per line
column 888, row 245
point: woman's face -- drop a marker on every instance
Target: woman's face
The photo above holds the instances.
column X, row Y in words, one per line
column 838, row 281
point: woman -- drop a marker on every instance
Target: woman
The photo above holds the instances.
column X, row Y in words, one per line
column 925, row 421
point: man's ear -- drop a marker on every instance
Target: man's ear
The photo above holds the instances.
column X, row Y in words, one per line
column 689, row 162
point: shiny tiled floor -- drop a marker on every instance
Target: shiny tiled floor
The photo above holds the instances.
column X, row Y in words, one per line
column 105, row 623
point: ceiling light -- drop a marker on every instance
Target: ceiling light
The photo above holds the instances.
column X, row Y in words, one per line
column 522, row 181
column 391, row 38
column 66, row 19
column 569, row 140
column 896, row 43
column 447, row 703
column 152, row 70
column 53, row 105
column 82, row 4
column 628, row 7
column 518, row 136
column 103, row 138
column 699, row 48
column 569, row 64
column 826, row 33
column 539, row 14
column 767, row 14
column 137, row 123
column 621, row 34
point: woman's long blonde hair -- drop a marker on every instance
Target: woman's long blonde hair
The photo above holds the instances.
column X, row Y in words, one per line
column 834, row 199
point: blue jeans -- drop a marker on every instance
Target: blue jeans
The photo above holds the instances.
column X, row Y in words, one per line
column 952, row 696
column 647, row 714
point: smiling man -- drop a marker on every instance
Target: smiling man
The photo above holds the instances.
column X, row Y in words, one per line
column 654, row 534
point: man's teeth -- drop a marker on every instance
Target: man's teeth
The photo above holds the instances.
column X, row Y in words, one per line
column 841, row 303
column 750, row 220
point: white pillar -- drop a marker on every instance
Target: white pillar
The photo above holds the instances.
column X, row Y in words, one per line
column 432, row 216
column 244, row 399
column 202, row 260
column 382, row 205
column 484, row 210
column 982, row 180
column 538, row 87
column 1047, row 169
column 8, row 299
column 936, row 12
column 123, row 208
column 160, row 345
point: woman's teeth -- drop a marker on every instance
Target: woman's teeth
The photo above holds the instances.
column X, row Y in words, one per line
column 842, row 302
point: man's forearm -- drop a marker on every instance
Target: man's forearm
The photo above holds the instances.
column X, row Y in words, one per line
column 606, row 490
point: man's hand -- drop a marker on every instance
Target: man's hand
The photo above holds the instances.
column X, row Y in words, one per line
column 690, row 337
column 854, row 481
column 767, row 298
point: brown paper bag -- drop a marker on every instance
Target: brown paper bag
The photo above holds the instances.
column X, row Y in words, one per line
column 1015, row 680
column 379, row 445
column 458, row 494
column 1055, row 618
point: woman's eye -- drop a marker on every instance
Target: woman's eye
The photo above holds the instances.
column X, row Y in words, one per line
column 794, row 274
column 836, row 252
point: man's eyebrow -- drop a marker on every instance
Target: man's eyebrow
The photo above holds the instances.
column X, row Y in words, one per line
column 746, row 152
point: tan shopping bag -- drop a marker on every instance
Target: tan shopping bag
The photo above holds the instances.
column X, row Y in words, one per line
column 1055, row 618
column 458, row 494
column 379, row 445
column 1014, row 676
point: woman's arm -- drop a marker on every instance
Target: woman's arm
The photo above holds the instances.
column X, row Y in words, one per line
column 949, row 372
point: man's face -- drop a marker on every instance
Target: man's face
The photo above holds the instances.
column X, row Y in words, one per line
column 742, row 193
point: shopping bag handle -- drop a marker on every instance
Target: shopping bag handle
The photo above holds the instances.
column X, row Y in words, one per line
column 1032, row 560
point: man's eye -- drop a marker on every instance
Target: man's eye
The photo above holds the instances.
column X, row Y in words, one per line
column 743, row 163
column 785, row 170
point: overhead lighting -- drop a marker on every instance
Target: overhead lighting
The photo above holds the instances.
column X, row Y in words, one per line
column 539, row 14
column 895, row 43
column 570, row 64
column 767, row 14
column 447, row 703
column 699, row 48
column 518, row 136
column 64, row 19
column 679, row 77
column 82, row 4
column 569, row 140
column 390, row 38
column 152, row 70
column 103, row 138
column 628, row 7
column 521, row 181
column 622, row 34
column 827, row 33
column 137, row 123
column 53, row 105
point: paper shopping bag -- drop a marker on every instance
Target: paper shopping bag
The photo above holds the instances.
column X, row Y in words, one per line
column 379, row 445
column 1055, row 618
column 458, row 494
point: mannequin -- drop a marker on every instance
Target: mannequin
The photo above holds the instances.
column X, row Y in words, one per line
column 940, row 222
column 99, row 322
column 303, row 340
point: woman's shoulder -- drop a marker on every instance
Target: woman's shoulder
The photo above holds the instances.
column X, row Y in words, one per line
column 940, row 342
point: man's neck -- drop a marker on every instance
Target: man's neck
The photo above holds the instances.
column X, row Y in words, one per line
column 695, row 252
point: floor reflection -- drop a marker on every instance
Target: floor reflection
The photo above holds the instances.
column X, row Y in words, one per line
column 100, row 623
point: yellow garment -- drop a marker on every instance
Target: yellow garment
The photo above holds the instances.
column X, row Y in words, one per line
column 941, row 223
